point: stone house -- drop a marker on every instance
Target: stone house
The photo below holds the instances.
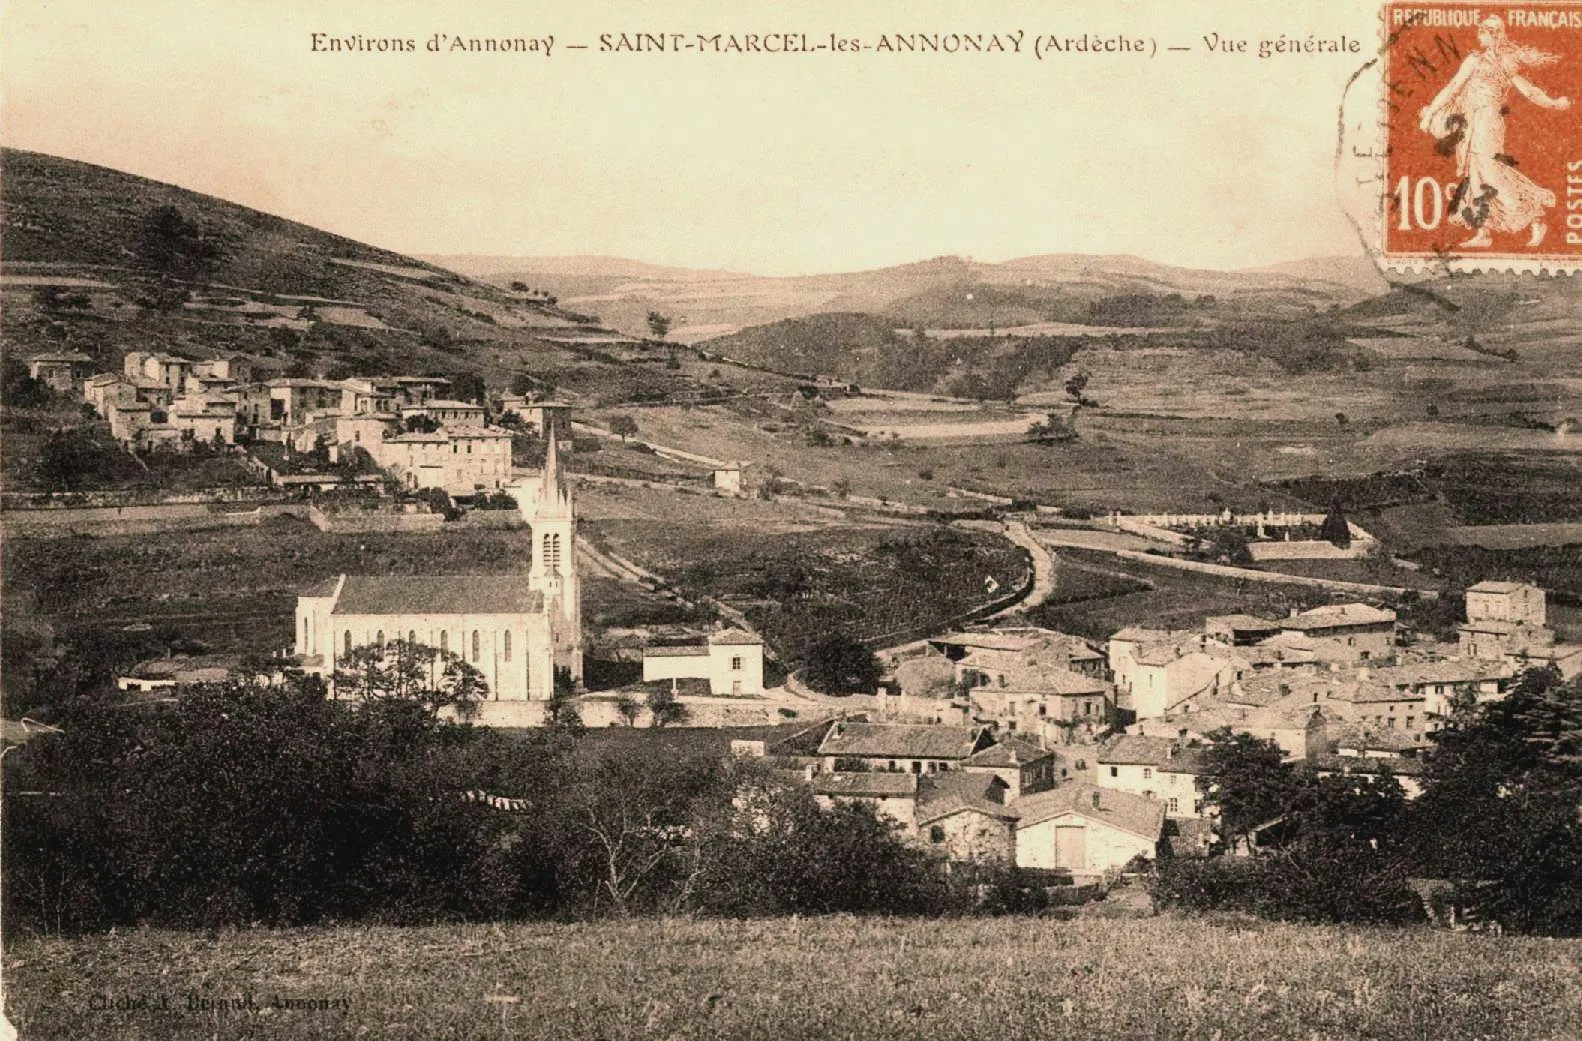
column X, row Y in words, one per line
column 1087, row 829
column 1156, row 768
column 732, row 661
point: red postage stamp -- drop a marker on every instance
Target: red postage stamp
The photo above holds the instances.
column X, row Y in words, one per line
column 1483, row 150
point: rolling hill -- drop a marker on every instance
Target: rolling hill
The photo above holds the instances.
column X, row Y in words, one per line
column 88, row 261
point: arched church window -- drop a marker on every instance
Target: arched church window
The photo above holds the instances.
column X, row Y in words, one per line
column 411, row 636
column 475, row 645
column 348, row 641
column 506, row 644
column 444, row 641
column 380, row 638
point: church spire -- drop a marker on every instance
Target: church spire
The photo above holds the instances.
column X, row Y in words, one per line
column 554, row 484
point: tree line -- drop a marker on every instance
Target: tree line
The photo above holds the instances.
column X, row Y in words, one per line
column 241, row 804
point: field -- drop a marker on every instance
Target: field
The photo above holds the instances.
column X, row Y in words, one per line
column 1177, row 599
column 833, row 978
column 796, row 581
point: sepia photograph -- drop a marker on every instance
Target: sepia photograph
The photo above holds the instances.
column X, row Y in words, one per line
column 770, row 522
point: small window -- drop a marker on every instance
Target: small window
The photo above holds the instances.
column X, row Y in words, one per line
column 1148, row 773
column 936, row 833
column 1115, row 771
column 1087, row 708
column 1175, row 805
column 736, row 664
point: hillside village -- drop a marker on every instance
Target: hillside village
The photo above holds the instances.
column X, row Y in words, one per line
column 1006, row 742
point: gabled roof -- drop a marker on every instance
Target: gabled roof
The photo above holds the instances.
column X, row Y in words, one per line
column 437, row 595
column 1367, row 765
column 1133, row 814
column 735, row 638
column 871, row 784
column 1159, row 752
column 689, row 650
column 1240, row 623
column 325, row 587
column 1140, row 634
column 900, row 741
column 1013, row 751
column 1337, row 616
column 1497, row 587
column 954, row 791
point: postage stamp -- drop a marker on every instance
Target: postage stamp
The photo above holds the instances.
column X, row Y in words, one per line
column 1483, row 136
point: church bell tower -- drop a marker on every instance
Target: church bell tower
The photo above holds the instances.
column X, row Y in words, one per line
column 546, row 506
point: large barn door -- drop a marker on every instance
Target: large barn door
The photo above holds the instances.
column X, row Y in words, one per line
column 1071, row 846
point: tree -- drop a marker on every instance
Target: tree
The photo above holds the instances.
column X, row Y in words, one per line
column 468, row 386
column 561, row 712
column 1341, row 420
column 628, row 708
column 1246, row 780
column 839, row 664
column 1498, row 814
column 174, row 247
column 658, row 324
column 664, row 707
column 624, row 425
column 1335, row 529
column 1076, row 385
column 403, row 671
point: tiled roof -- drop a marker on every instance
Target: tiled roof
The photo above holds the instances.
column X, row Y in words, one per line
column 1026, row 676
column 1139, row 634
column 1336, row 616
column 1159, row 752
column 1367, row 764
column 1440, row 672
column 437, row 595
column 1134, row 814
column 693, row 650
column 325, row 587
column 1013, row 751
column 1496, row 587
column 900, row 741
column 735, row 638
column 873, row 784
column 1365, row 737
column 1240, row 622
column 954, row 791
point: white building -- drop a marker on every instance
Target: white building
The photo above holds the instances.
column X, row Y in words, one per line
column 518, row 630
column 732, row 661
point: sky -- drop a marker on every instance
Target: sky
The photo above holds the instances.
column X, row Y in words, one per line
column 771, row 163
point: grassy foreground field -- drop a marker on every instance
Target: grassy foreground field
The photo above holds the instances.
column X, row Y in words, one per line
column 872, row 979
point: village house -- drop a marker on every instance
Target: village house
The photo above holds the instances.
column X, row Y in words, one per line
column 1239, row 630
column 1025, row 690
column 460, row 461
column 1345, row 632
column 1020, row 765
column 1154, row 672
column 891, row 795
column 966, row 817
column 906, row 747
column 60, row 371
column 732, row 661
column 1087, row 829
column 1155, row 767
column 447, row 413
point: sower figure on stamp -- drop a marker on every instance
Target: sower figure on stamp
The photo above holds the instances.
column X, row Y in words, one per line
column 1492, row 194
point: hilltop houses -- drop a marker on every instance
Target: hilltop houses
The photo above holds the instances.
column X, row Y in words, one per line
column 404, row 424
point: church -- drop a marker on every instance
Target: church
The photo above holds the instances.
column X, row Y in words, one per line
column 517, row 630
